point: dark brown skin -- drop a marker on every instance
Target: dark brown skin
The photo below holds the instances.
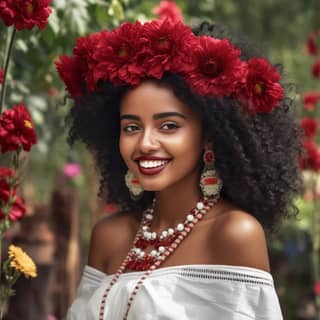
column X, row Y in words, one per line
column 226, row 235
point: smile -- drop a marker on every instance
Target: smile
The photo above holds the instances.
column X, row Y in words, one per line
column 151, row 167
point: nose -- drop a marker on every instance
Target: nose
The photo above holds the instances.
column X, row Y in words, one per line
column 148, row 142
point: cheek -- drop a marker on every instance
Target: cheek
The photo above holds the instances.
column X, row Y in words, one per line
column 125, row 149
column 188, row 142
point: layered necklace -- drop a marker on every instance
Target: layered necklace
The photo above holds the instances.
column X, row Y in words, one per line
column 162, row 246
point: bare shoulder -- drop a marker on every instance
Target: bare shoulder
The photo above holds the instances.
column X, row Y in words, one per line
column 110, row 236
column 239, row 239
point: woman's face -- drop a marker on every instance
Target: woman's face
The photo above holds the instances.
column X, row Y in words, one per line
column 161, row 139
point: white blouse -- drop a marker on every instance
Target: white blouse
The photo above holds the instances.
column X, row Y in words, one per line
column 185, row 292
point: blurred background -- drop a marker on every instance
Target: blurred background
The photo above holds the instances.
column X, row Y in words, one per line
column 60, row 186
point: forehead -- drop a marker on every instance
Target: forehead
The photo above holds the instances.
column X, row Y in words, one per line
column 150, row 98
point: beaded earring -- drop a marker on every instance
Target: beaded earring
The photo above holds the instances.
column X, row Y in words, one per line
column 133, row 185
column 210, row 183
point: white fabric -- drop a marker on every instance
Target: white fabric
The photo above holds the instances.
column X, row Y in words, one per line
column 187, row 292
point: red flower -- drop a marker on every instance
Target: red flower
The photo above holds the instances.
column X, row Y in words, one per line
column 315, row 69
column 310, row 99
column 166, row 46
column 18, row 209
column 116, row 54
column 316, row 288
column 262, row 92
column 85, row 50
column 70, row 71
column 1, row 75
column 168, row 10
column 216, row 68
column 311, row 44
column 16, row 128
column 310, row 127
column 312, row 156
column 25, row 14
column 80, row 69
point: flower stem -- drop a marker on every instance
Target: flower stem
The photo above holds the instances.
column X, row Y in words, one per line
column 6, row 67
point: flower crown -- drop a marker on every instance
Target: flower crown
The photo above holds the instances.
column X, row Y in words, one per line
column 135, row 52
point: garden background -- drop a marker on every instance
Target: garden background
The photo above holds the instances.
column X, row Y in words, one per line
column 280, row 27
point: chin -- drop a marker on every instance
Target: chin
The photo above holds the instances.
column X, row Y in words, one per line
column 155, row 186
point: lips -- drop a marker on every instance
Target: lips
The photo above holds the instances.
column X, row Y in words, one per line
column 151, row 165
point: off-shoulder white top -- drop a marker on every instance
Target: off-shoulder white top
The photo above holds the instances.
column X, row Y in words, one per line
column 184, row 292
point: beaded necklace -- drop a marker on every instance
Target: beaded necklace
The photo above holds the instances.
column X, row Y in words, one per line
column 164, row 245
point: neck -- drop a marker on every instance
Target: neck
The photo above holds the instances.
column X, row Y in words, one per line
column 175, row 202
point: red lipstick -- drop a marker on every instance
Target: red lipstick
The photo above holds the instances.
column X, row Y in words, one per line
column 153, row 170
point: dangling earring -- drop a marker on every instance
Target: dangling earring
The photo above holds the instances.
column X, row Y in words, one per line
column 134, row 186
column 210, row 183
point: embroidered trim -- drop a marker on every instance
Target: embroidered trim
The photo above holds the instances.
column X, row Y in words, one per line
column 224, row 275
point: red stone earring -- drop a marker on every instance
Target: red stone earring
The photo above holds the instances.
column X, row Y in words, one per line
column 134, row 186
column 210, row 183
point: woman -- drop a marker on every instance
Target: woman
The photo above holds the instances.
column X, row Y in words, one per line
column 194, row 140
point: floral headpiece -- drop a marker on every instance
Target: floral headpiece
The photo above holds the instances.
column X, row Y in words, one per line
column 135, row 52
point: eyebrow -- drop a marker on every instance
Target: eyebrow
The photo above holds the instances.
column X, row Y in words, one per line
column 156, row 116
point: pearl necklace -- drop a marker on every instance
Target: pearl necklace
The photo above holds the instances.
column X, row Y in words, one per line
column 164, row 244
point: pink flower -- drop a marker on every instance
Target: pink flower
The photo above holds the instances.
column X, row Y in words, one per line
column 71, row 170
column 262, row 92
column 316, row 288
column 315, row 69
column 1, row 75
column 168, row 10
column 25, row 14
column 216, row 68
column 16, row 129
column 52, row 91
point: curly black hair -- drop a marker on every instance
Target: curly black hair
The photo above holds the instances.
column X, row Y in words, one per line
column 256, row 155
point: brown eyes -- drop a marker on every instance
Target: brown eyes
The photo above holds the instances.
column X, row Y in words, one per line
column 168, row 126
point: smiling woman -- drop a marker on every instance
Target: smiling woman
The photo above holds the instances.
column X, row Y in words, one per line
column 195, row 141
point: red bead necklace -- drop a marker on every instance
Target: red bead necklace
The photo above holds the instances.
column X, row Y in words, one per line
column 163, row 246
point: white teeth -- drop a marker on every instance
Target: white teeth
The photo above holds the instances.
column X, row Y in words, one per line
column 152, row 163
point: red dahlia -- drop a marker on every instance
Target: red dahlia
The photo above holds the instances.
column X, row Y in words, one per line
column 310, row 99
column 168, row 10
column 25, row 14
column 116, row 54
column 312, row 156
column 16, row 128
column 216, row 67
column 315, row 70
column 310, row 126
column 311, row 44
column 80, row 68
column 262, row 92
column 166, row 46
column 70, row 71
column 17, row 210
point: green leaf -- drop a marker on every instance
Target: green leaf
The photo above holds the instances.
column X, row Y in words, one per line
column 115, row 10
